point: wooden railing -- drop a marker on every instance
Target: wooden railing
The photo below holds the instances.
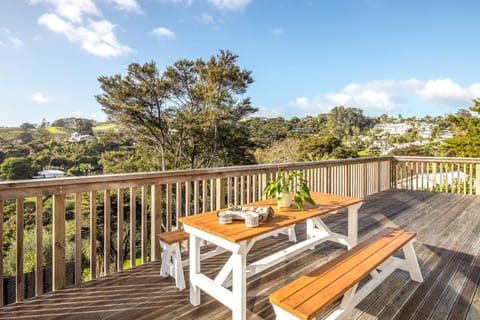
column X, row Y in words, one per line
column 97, row 222
column 452, row 175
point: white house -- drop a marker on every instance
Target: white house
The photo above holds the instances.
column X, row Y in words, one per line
column 46, row 174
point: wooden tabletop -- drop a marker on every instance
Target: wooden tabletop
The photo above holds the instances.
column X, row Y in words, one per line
column 237, row 231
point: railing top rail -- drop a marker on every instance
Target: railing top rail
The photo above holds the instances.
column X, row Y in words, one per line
column 438, row 159
column 28, row 188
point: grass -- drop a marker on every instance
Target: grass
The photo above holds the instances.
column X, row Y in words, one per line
column 56, row 131
column 104, row 127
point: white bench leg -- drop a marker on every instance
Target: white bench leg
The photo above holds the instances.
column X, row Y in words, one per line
column 172, row 264
column 178, row 267
column 166, row 257
column 411, row 262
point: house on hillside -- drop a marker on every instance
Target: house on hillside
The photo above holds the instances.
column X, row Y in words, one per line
column 48, row 174
column 77, row 137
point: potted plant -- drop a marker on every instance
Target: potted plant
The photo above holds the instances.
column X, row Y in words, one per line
column 288, row 185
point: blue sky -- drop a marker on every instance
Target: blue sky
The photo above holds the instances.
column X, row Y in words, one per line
column 409, row 57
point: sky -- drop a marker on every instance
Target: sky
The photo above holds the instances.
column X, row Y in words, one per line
column 408, row 57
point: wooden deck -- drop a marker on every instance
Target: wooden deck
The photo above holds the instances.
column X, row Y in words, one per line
column 448, row 247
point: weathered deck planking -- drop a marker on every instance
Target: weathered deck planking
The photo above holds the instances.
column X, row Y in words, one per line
column 448, row 250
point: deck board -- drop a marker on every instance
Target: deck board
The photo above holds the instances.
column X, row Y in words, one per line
column 447, row 246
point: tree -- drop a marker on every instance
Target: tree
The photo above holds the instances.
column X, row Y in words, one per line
column 16, row 168
column 343, row 121
column 324, row 147
column 466, row 142
column 189, row 115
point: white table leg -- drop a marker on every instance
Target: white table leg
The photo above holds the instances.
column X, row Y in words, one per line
column 353, row 224
column 194, row 269
column 239, row 285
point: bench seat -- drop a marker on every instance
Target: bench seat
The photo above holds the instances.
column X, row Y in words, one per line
column 307, row 296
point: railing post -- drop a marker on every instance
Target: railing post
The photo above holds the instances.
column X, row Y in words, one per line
column 58, row 276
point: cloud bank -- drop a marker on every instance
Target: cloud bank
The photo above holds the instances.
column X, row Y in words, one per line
column 388, row 95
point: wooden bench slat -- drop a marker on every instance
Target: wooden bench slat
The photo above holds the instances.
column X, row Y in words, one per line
column 303, row 281
column 336, row 289
column 173, row 236
column 309, row 294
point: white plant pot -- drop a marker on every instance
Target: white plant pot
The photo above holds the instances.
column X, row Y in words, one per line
column 287, row 200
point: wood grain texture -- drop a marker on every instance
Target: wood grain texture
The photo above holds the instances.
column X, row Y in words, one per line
column 447, row 246
column 237, row 231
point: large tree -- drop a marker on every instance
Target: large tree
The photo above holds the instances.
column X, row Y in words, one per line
column 190, row 115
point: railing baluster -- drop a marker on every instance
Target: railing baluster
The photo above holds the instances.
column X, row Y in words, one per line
column 133, row 227
column 178, row 203
column 156, row 222
column 38, row 246
column 120, row 213
column 236, row 190
column 196, row 198
column 58, row 276
column 144, row 224
column 204, row 195
column 19, row 247
column 93, row 235
column 78, row 238
column 188, row 198
column 168, row 209
column 106, row 232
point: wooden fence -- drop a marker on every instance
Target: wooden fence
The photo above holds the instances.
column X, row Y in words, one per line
column 452, row 175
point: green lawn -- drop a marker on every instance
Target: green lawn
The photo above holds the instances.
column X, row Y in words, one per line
column 57, row 131
column 104, row 127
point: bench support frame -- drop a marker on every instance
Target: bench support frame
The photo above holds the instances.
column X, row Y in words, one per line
column 353, row 296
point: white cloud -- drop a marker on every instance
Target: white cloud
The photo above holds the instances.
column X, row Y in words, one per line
column 388, row 95
column 230, row 4
column 8, row 40
column 163, row 33
column 206, row 18
column 127, row 5
column 445, row 91
column 77, row 20
column 73, row 10
column 39, row 97
column 278, row 31
column 219, row 4
column 95, row 37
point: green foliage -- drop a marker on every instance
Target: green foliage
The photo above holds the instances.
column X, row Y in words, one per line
column 287, row 150
column 324, row 147
column 466, row 142
column 344, row 120
column 190, row 115
column 16, row 168
column 289, row 182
